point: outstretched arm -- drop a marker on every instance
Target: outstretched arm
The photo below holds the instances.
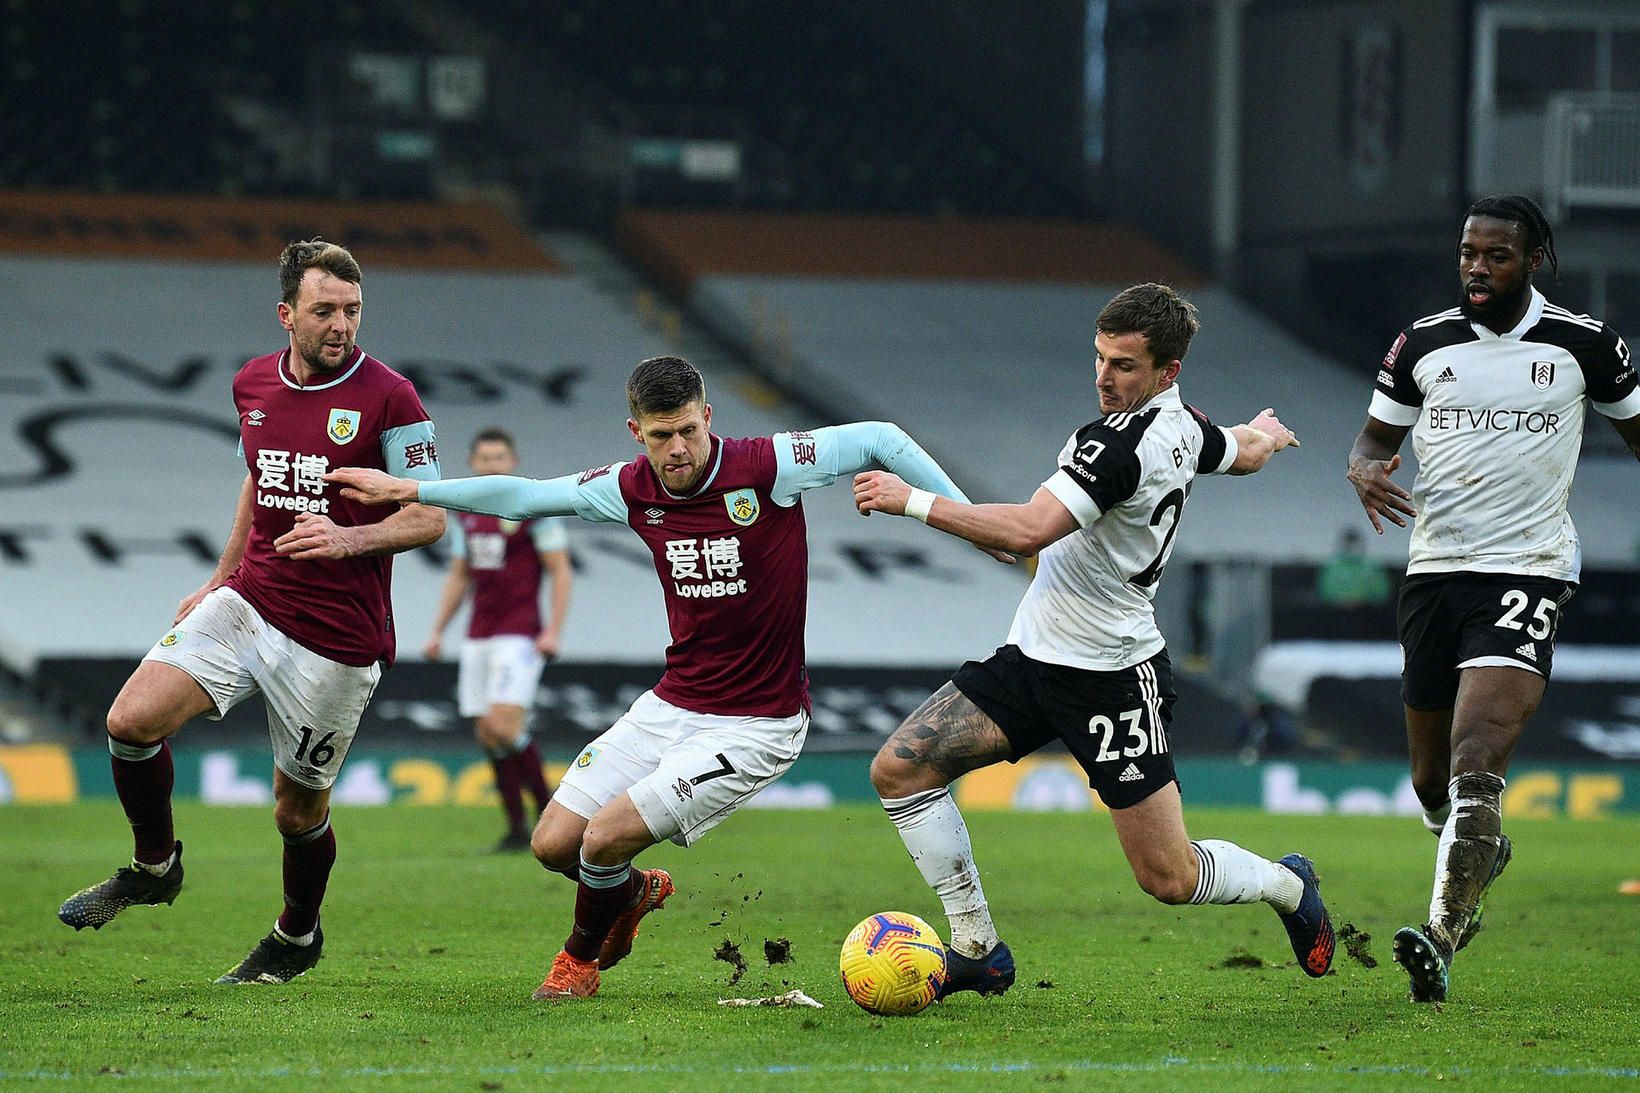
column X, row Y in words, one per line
column 1372, row 460
column 805, row 461
column 506, row 496
column 1258, row 440
column 1016, row 529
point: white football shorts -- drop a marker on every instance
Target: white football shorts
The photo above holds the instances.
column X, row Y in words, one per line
column 685, row 771
column 500, row 671
column 314, row 704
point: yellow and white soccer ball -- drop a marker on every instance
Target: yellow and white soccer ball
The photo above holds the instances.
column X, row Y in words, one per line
column 893, row 964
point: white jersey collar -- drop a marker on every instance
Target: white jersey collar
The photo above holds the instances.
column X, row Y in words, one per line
column 283, row 365
column 706, row 479
column 1533, row 316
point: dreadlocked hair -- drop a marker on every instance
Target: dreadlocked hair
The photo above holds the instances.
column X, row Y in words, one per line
column 1523, row 211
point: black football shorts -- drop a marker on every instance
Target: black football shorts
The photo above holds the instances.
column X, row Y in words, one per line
column 1114, row 723
column 1451, row 621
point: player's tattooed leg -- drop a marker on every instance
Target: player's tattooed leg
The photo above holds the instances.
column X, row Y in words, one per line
column 949, row 735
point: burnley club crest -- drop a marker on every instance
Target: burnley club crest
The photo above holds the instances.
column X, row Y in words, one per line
column 742, row 506
column 344, row 425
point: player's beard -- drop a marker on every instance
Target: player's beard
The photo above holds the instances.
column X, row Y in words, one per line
column 313, row 355
column 1498, row 305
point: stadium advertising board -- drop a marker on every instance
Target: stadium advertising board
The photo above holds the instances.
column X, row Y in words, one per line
column 49, row 774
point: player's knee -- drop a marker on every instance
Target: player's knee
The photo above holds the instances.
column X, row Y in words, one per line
column 1170, row 886
column 553, row 851
column 892, row 776
column 293, row 816
column 129, row 725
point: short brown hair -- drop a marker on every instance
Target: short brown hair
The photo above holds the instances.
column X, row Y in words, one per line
column 1167, row 320
column 493, row 435
column 663, row 385
column 297, row 258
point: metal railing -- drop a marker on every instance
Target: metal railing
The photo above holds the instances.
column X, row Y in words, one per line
column 1591, row 152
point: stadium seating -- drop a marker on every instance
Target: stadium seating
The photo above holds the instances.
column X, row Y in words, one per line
column 996, row 369
column 118, row 470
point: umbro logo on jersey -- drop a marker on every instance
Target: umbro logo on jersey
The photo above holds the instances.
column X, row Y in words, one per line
column 654, row 515
column 1131, row 774
column 1529, row 651
column 1446, row 376
column 254, row 417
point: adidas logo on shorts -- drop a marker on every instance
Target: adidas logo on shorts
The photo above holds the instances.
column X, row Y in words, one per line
column 1446, row 376
column 1529, row 651
column 1131, row 774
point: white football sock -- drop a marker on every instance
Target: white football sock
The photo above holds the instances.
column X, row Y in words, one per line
column 933, row 831
column 159, row 870
column 1229, row 874
column 1435, row 821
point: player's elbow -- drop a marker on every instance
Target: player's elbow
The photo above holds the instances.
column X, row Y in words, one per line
column 1031, row 533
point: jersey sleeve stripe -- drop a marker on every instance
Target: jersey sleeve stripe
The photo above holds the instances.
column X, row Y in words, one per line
column 1073, row 497
column 1232, row 448
column 1623, row 409
column 1390, row 412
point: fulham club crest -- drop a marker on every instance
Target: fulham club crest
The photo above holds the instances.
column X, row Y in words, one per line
column 1543, row 374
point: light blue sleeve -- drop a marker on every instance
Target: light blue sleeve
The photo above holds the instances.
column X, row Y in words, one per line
column 456, row 537
column 549, row 535
column 804, row 461
column 590, row 495
column 411, row 451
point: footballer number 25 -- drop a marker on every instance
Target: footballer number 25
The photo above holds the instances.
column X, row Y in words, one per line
column 1542, row 623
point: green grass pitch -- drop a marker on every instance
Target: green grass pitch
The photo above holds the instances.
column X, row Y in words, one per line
column 433, row 948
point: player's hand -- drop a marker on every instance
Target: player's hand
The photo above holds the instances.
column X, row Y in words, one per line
column 1379, row 496
column 434, row 647
column 880, row 491
column 315, row 537
column 546, row 643
column 1000, row 555
column 372, row 487
column 1271, row 426
column 186, row 607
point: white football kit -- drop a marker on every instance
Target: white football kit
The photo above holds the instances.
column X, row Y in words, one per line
column 1125, row 479
column 1497, row 424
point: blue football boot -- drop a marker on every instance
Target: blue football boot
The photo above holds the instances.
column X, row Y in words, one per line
column 992, row 973
column 1309, row 927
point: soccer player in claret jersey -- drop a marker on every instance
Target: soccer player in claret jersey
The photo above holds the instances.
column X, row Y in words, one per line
column 1084, row 662
column 723, row 520
column 502, row 562
column 298, row 607
column 1494, row 391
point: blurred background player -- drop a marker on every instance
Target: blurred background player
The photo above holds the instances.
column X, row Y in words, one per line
column 1497, row 389
column 723, row 520
column 1084, row 662
column 502, row 562
column 320, row 403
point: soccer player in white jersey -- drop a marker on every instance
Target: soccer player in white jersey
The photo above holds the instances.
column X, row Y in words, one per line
column 1494, row 391
column 1084, row 662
